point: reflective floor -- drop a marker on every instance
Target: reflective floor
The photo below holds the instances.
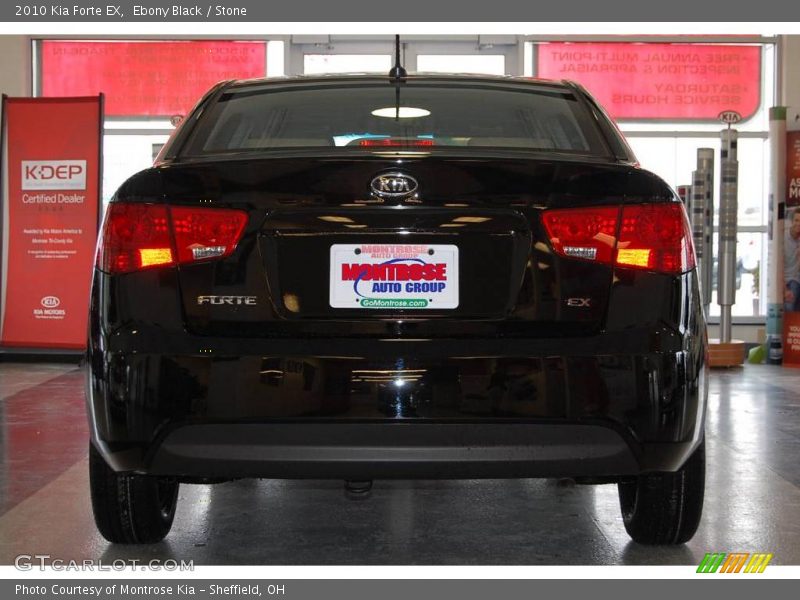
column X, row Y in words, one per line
column 752, row 498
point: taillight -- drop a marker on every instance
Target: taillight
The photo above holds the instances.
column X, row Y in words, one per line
column 654, row 237
column 588, row 233
column 135, row 236
column 202, row 233
column 141, row 236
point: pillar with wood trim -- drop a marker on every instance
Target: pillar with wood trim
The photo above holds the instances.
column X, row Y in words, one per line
column 727, row 352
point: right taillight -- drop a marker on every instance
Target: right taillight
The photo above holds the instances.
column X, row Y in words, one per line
column 654, row 237
column 139, row 236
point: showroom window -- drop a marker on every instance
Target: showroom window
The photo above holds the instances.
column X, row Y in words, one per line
column 324, row 64
column 666, row 98
column 489, row 64
column 147, row 86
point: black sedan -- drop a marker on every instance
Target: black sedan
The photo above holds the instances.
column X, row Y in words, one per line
column 365, row 277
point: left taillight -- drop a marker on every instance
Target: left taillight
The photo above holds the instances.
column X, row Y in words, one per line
column 142, row 236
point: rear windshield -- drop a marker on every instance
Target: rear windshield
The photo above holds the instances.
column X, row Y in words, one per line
column 413, row 115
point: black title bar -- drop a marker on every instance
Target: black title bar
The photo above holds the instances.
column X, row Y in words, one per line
column 401, row 11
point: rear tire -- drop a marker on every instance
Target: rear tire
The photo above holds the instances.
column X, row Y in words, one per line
column 130, row 509
column 665, row 508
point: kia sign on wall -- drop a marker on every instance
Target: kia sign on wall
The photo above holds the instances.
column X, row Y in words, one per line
column 51, row 186
column 670, row 82
column 146, row 78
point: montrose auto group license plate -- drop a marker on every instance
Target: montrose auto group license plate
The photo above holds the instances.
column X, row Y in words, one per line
column 394, row 276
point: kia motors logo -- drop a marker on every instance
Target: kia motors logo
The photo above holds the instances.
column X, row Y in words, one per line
column 394, row 185
column 50, row 301
column 730, row 117
column 53, row 174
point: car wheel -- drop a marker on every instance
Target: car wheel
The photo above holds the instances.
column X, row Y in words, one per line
column 130, row 509
column 665, row 508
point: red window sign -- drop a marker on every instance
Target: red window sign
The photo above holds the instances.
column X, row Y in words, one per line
column 146, row 78
column 660, row 81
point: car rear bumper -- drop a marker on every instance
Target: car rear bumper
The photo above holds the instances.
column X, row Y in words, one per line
column 390, row 408
column 398, row 450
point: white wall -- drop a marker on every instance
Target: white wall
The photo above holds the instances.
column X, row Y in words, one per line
column 15, row 65
column 790, row 71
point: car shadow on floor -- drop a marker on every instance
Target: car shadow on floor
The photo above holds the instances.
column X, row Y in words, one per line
column 512, row 522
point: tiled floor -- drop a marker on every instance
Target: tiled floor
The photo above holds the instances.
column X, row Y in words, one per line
column 752, row 501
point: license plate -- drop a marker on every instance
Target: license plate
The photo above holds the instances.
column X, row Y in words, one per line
column 394, row 276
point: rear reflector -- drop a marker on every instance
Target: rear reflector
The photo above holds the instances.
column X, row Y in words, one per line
column 151, row 257
column 141, row 236
column 655, row 237
column 634, row 257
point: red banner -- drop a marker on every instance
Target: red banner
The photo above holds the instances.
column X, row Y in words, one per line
column 51, row 197
column 791, row 339
column 659, row 81
column 791, row 253
column 146, row 78
column 793, row 168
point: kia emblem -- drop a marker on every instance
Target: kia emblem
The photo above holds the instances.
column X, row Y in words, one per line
column 394, row 185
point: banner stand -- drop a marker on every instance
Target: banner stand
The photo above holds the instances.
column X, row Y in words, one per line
column 50, row 187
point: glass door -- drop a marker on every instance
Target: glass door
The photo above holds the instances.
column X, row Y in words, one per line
column 323, row 58
column 477, row 57
column 329, row 54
